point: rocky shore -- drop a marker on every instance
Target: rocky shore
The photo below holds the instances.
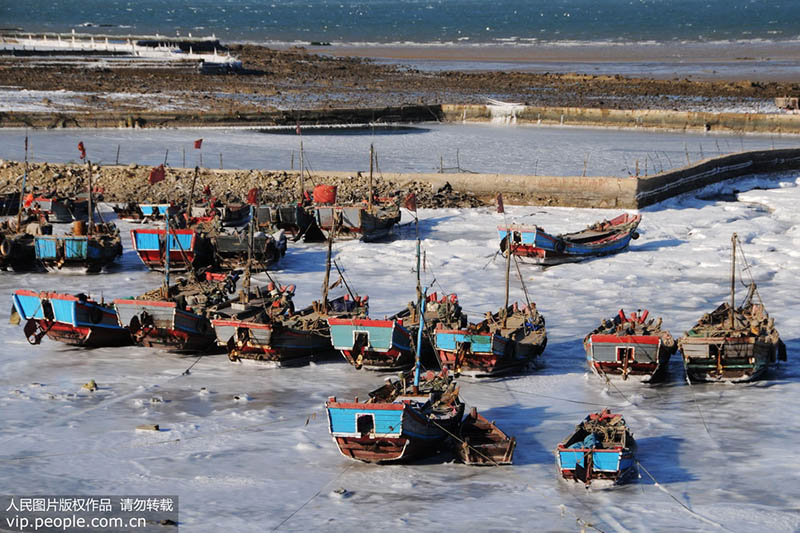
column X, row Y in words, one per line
column 294, row 79
column 121, row 184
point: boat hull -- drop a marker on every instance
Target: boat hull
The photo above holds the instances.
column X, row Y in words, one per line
column 270, row 343
column 357, row 221
column 380, row 345
column 734, row 359
column 615, row 464
column 162, row 325
column 388, row 432
column 69, row 319
column 89, row 252
column 532, row 244
column 643, row 357
column 187, row 248
column 483, row 354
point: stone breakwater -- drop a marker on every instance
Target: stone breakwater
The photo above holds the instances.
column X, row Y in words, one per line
column 130, row 183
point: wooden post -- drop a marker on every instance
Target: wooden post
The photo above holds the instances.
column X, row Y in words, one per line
column 166, row 155
column 220, row 160
column 116, row 161
column 183, row 152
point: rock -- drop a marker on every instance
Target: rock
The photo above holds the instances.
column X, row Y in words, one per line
column 148, row 427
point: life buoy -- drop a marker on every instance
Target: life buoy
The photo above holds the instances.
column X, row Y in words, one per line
column 635, row 235
column 6, row 247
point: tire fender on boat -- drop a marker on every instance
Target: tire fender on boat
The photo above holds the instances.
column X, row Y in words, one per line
column 6, row 247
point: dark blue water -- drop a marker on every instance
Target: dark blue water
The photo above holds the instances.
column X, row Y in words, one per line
column 420, row 21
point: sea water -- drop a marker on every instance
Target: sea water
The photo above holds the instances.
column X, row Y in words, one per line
column 420, row 21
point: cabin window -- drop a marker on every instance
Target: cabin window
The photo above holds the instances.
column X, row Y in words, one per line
column 624, row 352
column 365, row 424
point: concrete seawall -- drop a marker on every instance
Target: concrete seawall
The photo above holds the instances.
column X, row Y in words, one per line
column 625, row 118
column 518, row 114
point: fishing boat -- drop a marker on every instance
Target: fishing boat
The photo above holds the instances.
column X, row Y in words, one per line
column 230, row 249
column 371, row 220
column 601, row 448
column 77, row 320
column 187, row 248
column 399, row 422
column 481, row 443
column 59, row 209
column 733, row 343
column 91, row 251
column 262, row 325
column 177, row 319
column 17, row 246
column 533, row 245
column 630, row 346
column 504, row 342
column 158, row 212
column 294, row 219
column 227, row 214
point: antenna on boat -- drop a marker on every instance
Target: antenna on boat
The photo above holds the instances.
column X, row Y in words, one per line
column 501, row 209
column 733, row 275
column 247, row 270
column 302, row 167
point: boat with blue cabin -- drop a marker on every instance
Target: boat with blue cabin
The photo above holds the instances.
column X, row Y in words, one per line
column 72, row 319
column 405, row 419
column 601, row 448
column 531, row 244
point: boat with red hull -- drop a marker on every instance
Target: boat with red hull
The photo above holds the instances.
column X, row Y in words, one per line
column 630, row 347
column 532, row 244
column 75, row 320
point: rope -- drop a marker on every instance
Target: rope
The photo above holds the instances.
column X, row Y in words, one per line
column 343, row 472
column 697, row 405
column 686, row 507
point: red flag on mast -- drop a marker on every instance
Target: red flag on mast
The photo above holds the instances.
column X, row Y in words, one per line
column 410, row 202
column 500, row 207
column 157, row 174
column 198, row 143
column 81, row 149
column 252, row 196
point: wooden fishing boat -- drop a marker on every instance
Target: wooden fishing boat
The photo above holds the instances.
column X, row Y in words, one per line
column 386, row 345
column 60, row 209
column 77, row 320
column 732, row 343
column 177, row 319
column 630, row 346
column 601, row 448
column 296, row 220
column 533, row 245
column 399, row 422
column 92, row 252
column 187, row 248
column 227, row 214
column 360, row 221
column 267, row 329
column 156, row 212
column 230, row 249
column 17, row 249
column 504, row 342
column 263, row 325
column 482, row 443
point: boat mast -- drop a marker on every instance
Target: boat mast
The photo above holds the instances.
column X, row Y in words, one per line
column 733, row 275
column 508, row 275
column 417, row 365
column 22, row 190
column 91, row 204
column 166, row 258
column 302, row 168
column 371, row 159
column 248, row 268
column 327, row 279
column 191, row 195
